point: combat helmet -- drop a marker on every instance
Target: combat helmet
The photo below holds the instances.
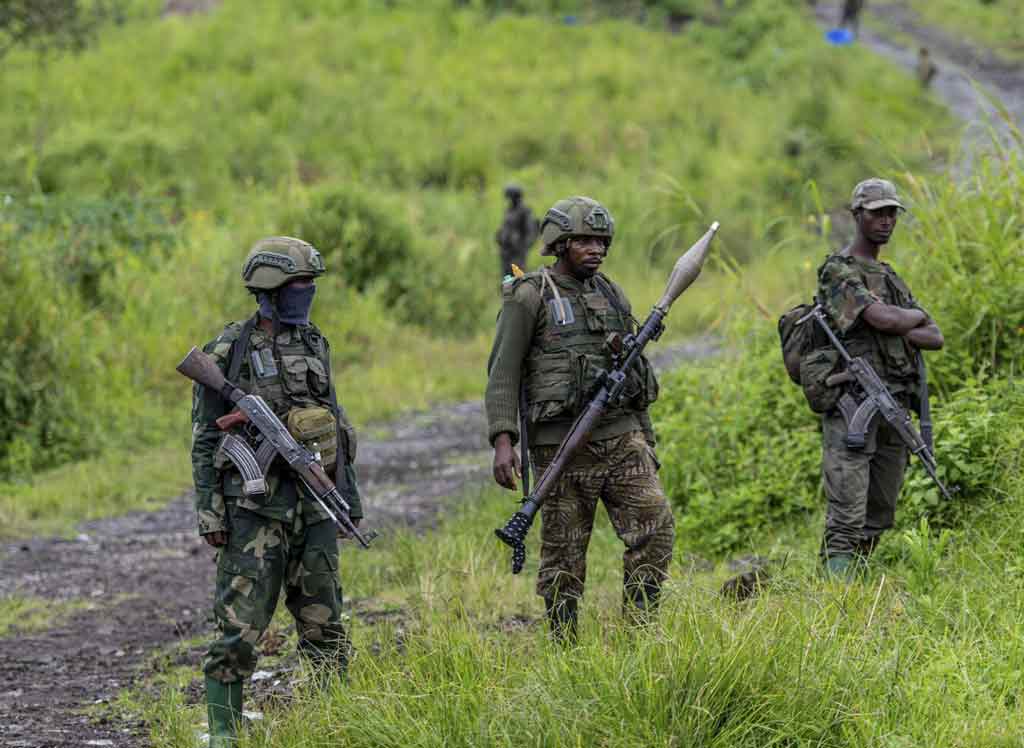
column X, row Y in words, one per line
column 575, row 216
column 274, row 261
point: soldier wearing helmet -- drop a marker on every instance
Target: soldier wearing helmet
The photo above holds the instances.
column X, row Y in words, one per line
column 558, row 331
column 280, row 539
column 873, row 312
column 518, row 231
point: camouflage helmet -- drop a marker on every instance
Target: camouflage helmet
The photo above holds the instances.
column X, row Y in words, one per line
column 274, row 261
column 575, row 216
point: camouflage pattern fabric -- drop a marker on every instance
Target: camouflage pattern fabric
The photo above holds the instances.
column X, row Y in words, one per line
column 846, row 287
column 262, row 556
column 861, row 486
column 622, row 473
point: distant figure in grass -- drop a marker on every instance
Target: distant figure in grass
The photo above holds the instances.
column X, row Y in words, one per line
column 280, row 540
column 849, row 16
column 874, row 314
column 926, row 69
column 518, row 231
column 556, row 331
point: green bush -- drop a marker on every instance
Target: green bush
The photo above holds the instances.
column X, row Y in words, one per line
column 741, row 448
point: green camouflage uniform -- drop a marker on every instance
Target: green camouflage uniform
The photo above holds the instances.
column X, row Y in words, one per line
column 561, row 364
column 862, row 485
column 282, row 538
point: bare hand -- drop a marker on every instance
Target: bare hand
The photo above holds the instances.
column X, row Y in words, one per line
column 507, row 467
column 217, row 539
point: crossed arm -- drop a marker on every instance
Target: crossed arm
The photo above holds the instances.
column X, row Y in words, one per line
column 917, row 327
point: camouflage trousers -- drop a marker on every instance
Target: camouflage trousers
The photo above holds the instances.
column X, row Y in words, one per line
column 861, row 486
column 262, row 556
column 622, row 473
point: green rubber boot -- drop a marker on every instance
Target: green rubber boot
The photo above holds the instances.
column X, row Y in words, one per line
column 224, row 712
column 841, row 566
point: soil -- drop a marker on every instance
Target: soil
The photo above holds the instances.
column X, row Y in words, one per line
column 148, row 578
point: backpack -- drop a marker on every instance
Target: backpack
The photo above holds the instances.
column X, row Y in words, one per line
column 809, row 357
column 797, row 339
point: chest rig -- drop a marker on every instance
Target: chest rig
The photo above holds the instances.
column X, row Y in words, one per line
column 579, row 329
column 293, row 377
column 891, row 355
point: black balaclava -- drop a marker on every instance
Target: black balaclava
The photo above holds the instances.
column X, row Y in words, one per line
column 293, row 305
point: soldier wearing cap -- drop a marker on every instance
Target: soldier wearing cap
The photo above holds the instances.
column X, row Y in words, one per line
column 518, row 231
column 555, row 336
column 280, row 540
column 874, row 313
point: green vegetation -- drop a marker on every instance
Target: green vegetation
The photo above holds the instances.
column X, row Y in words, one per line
column 997, row 24
column 741, row 448
column 139, row 171
column 19, row 614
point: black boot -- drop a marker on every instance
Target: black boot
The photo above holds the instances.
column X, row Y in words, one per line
column 562, row 618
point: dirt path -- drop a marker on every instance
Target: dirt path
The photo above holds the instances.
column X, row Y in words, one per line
column 148, row 577
column 962, row 67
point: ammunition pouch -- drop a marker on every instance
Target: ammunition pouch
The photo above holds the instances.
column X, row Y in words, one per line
column 316, row 429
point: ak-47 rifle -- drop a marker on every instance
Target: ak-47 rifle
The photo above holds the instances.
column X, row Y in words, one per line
column 201, row 368
column 609, row 394
column 877, row 400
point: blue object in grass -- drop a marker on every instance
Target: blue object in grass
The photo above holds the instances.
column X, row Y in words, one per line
column 840, row 37
column 569, row 20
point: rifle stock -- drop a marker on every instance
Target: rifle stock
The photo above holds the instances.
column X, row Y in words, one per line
column 685, row 271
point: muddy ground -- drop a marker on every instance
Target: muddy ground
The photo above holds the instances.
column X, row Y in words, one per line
column 148, row 577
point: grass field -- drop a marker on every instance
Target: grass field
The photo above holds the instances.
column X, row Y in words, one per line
column 997, row 25
column 141, row 170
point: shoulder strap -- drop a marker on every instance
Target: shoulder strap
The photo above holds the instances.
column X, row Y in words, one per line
column 238, row 351
column 608, row 292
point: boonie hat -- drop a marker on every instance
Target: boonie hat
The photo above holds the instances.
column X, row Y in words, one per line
column 875, row 193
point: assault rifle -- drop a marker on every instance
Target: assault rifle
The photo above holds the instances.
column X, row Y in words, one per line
column 609, row 394
column 201, row 368
column 877, row 400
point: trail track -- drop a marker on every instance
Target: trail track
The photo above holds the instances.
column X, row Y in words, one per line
column 148, row 578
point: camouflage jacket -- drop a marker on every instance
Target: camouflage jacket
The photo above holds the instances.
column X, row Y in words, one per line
column 561, row 363
column 301, row 380
column 847, row 286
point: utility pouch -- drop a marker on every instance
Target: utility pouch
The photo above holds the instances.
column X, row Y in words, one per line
column 316, row 430
column 815, row 368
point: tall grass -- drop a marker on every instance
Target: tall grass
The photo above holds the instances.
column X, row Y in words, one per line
column 140, row 171
column 452, row 651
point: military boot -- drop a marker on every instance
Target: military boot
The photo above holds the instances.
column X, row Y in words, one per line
column 562, row 618
column 841, row 566
column 224, row 712
column 640, row 603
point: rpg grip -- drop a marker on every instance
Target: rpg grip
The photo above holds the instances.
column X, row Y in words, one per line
column 513, row 534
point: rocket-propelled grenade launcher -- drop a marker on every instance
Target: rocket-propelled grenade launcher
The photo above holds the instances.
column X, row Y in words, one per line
column 201, row 368
column 685, row 272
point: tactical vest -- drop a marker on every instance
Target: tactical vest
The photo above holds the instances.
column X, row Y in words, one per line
column 298, row 377
column 564, row 366
column 891, row 355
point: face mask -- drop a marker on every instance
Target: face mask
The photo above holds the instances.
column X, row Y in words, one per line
column 293, row 305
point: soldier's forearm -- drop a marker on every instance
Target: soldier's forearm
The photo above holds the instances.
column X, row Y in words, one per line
column 893, row 320
column 927, row 337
